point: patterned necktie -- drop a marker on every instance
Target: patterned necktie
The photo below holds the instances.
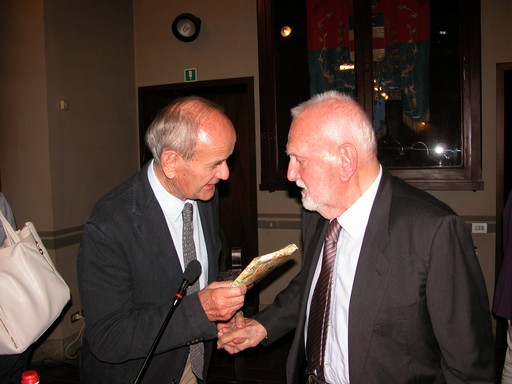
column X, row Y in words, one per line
column 189, row 254
column 320, row 303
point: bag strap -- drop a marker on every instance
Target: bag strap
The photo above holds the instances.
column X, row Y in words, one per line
column 10, row 233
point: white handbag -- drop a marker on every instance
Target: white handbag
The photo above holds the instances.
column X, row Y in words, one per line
column 32, row 292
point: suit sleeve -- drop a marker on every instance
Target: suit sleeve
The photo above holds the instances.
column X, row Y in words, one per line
column 458, row 305
column 284, row 314
column 281, row 316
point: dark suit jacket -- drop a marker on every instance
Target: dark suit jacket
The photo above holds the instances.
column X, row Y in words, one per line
column 128, row 273
column 418, row 311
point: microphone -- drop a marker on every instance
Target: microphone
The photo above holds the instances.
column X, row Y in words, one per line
column 191, row 274
column 192, row 271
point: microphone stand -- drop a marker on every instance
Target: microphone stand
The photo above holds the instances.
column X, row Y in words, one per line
column 190, row 275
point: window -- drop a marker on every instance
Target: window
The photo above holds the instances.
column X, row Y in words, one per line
column 414, row 65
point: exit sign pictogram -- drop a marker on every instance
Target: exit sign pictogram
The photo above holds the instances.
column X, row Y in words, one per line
column 191, row 74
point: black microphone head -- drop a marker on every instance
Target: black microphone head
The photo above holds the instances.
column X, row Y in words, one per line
column 192, row 271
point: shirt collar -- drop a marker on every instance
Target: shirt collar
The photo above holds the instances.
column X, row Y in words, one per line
column 171, row 205
column 355, row 219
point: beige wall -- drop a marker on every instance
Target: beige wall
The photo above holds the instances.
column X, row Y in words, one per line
column 24, row 137
column 84, row 53
column 56, row 163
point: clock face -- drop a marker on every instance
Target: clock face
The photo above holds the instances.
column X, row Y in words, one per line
column 186, row 27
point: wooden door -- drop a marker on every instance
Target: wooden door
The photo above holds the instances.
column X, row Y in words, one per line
column 238, row 212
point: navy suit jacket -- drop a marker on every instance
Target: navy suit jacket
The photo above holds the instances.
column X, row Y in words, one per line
column 128, row 273
column 418, row 311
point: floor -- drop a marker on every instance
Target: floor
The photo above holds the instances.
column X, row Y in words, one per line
column 257, row 366
column 56, row 372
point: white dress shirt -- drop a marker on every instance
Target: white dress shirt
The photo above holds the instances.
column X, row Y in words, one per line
column 172, row 207
column 353, row 221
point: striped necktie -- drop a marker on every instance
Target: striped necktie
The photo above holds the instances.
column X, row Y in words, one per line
column 320, row 303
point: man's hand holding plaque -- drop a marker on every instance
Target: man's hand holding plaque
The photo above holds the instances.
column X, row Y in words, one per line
column 261, row 266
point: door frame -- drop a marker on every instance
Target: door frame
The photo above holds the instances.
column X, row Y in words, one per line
column 501, row 68
column 240, row 216
column 501, row 158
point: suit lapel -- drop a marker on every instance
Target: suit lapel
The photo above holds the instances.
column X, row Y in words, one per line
column 314, row 249
column 207, row 223
column 154, row 233
column 370, row 281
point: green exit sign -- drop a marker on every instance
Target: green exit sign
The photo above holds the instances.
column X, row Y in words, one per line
column 190, row 74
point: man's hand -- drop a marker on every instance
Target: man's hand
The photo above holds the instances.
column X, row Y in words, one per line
column 220, row 301
column 237, row 321
column 235, row 338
